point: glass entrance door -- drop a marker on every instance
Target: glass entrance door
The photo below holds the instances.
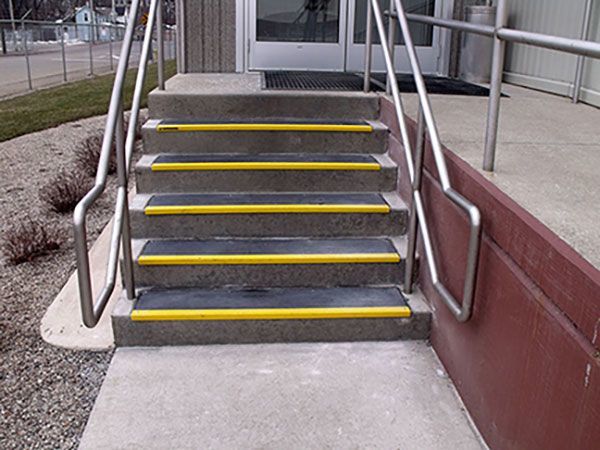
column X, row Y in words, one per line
column 297, row 34
column 329, row 35
column 425, row 37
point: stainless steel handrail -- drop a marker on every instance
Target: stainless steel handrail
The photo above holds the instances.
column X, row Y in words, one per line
column 462, row 311
column 92, row 309
column 502, row 35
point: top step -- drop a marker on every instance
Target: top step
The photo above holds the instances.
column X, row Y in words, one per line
column 225, row 96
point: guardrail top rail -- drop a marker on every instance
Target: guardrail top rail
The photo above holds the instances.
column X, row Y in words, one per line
column 462, row 310
column 501, row 35
column 92, row 309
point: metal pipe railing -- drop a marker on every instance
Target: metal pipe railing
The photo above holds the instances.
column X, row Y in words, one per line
column 587, row 18
column 391, row 44
column 161, row 46
column 368, row 48
column 91, row 308
column 493, row 114
column 462, row 311
column 502, row 35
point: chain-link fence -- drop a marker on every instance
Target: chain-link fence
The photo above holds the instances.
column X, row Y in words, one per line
column 36, row 54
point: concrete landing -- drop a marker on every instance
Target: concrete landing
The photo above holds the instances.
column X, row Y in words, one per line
column 364, row 395
column 546, row 160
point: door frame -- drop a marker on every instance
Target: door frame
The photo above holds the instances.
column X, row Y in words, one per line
column 446, row 8
column 428, row 56
column 325, row 56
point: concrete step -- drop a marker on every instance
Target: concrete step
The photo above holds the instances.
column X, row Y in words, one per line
column 289, row 135
column 189, row 216
column 263, row 262
column 273, row 172
column 224, row 96
column 267, row 215
column 230, row 315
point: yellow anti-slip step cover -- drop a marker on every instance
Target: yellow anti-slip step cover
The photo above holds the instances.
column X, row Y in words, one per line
column 272, row 313
column 264, row 165
column 348, row 258
column 263, row 209
column 185, row 127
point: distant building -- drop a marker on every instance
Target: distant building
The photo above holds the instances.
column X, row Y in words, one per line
column 83, row 20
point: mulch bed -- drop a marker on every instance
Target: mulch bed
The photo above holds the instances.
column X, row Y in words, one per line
column 46, row 393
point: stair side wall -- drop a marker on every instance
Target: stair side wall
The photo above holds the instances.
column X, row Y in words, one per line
column 526, row 365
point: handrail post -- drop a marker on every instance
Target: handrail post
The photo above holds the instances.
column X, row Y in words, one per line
column 122, row 186
column 161, row 46
column 413, row 218
column 391, row 42
column 493, row 116
column 581, row 59
column 368, row 47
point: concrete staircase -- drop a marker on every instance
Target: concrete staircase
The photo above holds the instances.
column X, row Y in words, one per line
column 269, row 217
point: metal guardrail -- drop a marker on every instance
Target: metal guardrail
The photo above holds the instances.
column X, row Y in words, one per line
column 60, row 36
column 121, row 236
column 426, row 122
column 501, row 35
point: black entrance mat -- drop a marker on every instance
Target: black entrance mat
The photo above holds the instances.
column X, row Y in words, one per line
column 312, row 81
column 340, row 81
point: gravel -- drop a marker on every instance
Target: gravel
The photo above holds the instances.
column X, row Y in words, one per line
column 46, row 393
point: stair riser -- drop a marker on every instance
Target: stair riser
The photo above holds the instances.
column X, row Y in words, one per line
column 266, row 181
column 263, row 276
column 268, row 105
column 129, row 333
column 267, row 225
column 264, row 142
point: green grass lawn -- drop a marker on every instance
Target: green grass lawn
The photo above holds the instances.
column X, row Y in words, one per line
column 51, row 107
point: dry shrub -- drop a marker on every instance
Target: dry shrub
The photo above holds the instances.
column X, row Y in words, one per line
column 28, row 239
column 138, row 127
column 64, row 191
column 87, row 155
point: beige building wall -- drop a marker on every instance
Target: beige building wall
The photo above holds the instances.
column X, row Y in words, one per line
column 206, row 36
column 546, row 69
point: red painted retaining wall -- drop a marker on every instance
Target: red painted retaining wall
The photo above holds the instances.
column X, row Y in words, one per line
column 527, row 365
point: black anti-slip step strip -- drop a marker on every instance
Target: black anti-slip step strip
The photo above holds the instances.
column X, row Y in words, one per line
column 268, row 246
column 194, row 298
column 264, row 157
column 266, row 199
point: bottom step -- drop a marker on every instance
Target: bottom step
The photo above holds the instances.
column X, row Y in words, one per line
column 227, row 316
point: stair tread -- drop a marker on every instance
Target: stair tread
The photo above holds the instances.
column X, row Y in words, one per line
column 269, row 246
column 267, row 199
column 264, row 157
column 270, row 303
column 225, row 298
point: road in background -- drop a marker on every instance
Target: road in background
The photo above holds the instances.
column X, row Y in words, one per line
column 47, row 67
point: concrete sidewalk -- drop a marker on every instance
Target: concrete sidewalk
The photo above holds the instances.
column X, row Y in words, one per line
column 301, row 396
column 547, row 157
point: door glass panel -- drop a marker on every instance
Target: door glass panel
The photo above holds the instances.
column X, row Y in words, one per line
column 297, row 20
column 422, row 34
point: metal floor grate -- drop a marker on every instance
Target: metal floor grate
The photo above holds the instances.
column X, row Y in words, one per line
column 340, row 81
column 312, row 81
